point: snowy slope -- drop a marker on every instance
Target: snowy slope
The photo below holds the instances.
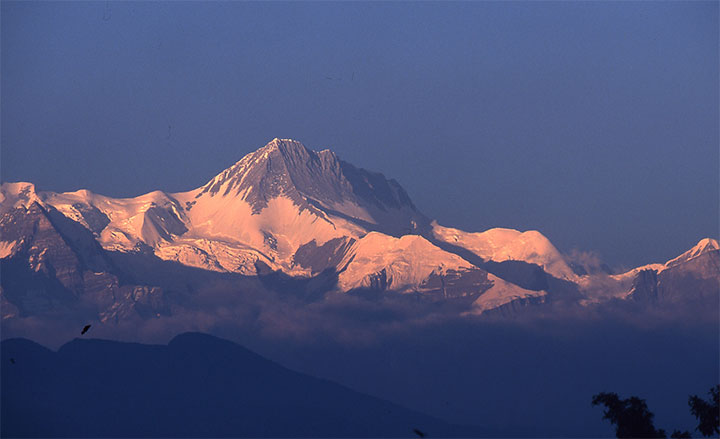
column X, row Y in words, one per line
column 509, row 245
column 502, row 293
column 14, row 195
column 123, row 224
column 704, row 246
column 401, row 264
column 272, row 235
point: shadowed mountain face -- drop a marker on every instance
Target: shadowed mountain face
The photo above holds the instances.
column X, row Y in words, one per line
column 196, row 386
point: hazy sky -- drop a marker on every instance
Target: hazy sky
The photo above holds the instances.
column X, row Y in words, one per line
column 595, row 123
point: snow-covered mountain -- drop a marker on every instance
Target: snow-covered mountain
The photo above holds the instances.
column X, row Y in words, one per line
column 509, row 245
column 290, row 210
column 263, row 208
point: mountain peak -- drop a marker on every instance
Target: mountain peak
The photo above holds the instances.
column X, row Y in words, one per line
column 276, row 169
column 315, row 180
column 17, row 194
column 705, row 245
column 285, row 146
column 17, row 189
column 277, row 141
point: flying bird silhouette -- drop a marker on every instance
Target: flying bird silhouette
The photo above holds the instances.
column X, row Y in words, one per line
column 418, row 432
column 85, row 329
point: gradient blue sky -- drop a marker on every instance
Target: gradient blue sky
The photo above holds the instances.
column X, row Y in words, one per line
column 595, row 123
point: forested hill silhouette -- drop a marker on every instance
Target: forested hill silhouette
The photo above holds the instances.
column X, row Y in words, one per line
column 632, row 419
column 196, row 386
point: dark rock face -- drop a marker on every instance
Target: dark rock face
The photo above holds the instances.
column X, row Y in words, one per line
column 456, row 284
column 270, row 240
column 82, row 241
column 380, row 281
column 526, row 275
column 95, row 219
column 517, row 307
column 523, row 274
column 690, row 283
column 697, row 280
column 44, row 271
column 645, row 286
column 374, row 188
column 320, row 258
column 584, row 269
column 57, row 265
column 164, row 221
column 196, row 386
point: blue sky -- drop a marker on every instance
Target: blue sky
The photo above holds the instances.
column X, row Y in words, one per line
column 595, row 123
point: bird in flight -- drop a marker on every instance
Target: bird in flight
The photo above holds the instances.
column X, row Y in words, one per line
column 419, row 433
column 85, row 329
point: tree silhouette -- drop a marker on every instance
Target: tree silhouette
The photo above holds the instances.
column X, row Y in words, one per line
column 708, row 413
column 631, row 416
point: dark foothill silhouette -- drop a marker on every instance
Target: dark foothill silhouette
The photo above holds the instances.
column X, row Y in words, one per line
column 196, row 386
